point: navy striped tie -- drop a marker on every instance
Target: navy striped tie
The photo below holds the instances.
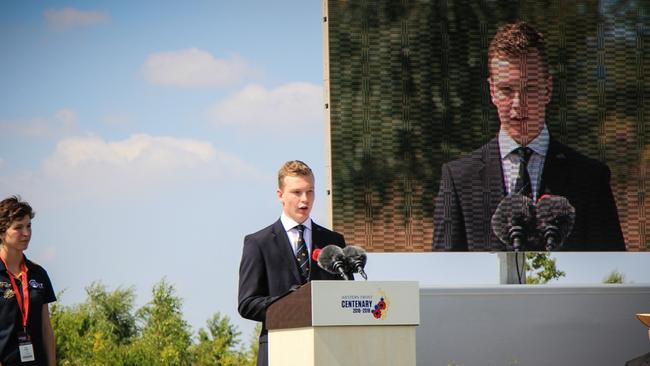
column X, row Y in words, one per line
column 302, row 255
column 522, row 185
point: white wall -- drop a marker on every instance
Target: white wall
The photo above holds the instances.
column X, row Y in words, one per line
column 532, row 325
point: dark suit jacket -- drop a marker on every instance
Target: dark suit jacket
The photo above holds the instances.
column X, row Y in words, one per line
column 643, row 360
column 472, row 187
column 269, row 269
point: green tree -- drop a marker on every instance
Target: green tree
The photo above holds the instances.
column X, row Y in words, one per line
column 614, row 277
column 96, row 332
column 79, row 335
column 116, row 307
column 253, row 345
column 217, row 345
column 541, row 268
column 165, row 337
column 107, row 330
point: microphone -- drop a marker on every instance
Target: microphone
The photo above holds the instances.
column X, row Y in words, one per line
column 555, row 218
column 356, row 258
column 513, row 221
column 332, row 260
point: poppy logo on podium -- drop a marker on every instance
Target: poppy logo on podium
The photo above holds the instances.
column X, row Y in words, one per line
column 367, row 304
column 380, row 308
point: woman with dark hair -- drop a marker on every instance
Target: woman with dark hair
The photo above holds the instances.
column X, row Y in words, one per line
column 26, row 335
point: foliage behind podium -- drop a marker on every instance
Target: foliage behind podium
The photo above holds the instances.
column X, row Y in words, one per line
column 108, row 330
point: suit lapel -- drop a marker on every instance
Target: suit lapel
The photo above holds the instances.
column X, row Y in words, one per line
column 554, row 173
column 487, row 196
column 492, row 176
column 283, row 246
column 318, row 241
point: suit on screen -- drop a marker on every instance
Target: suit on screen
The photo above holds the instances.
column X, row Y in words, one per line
column 640, row 361
column 472, row 187
column 269, row 270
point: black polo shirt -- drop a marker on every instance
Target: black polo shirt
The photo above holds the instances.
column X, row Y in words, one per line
column 40, row 292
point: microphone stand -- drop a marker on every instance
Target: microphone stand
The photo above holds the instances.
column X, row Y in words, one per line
column 551, row 237
column 516, row 235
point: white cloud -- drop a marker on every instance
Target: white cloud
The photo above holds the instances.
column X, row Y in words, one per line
column 138, row 164
column 62, row 122
column 68, row 18
column 143, row 151
column 293, row 104
column 194, row 68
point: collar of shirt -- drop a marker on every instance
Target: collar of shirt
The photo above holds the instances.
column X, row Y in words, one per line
column 539, row 144
column 28, row 263
column 289, row 225
column 510, row 160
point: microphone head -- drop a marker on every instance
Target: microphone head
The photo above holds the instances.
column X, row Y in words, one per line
column 555, row 211
column 355, row 253
column 330, row 256
column 514, row 210
column 356, row 259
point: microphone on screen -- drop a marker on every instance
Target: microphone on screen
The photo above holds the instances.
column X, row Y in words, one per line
column 513, row 221
column 555, row 218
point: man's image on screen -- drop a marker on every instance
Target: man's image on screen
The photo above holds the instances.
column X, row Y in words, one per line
column 472, row 187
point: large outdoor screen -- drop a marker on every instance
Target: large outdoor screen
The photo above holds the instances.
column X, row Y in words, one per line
column 407, row 91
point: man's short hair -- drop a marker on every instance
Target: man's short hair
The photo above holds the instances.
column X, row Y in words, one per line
column 12, row 209
column 515, row 40
column 293, row 168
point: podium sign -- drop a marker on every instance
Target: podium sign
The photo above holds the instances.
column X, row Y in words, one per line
column 365, row 303
column 345, row 323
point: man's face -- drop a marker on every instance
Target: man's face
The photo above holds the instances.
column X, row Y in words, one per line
column 297, row 197
column 520, row 89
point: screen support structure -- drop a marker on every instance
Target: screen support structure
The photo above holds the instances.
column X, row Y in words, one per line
column 326, row 112
column 512, row 268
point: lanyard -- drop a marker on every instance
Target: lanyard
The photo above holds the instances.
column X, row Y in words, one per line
column 23, row 297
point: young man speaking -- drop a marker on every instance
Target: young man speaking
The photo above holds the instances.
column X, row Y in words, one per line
column 278, row 257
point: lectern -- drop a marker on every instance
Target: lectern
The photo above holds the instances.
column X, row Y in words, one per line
column 326, row 323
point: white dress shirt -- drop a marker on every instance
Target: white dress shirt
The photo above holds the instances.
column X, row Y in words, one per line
column 510, row 160
column 292, row 232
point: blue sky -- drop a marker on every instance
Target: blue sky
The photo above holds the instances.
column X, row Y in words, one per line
column 147, row 136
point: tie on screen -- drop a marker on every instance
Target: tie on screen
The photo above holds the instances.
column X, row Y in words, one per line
column 302, row 255
column 523, row 186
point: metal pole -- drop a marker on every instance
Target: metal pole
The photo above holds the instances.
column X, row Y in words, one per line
column 512, row 268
